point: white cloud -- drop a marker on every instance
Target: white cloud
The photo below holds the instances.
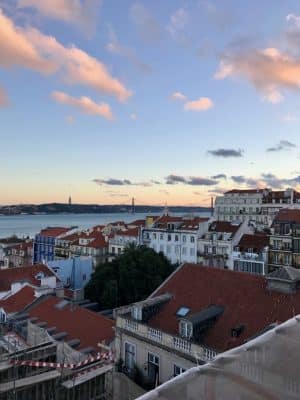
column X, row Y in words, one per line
column 85, row 104
column 202, row 104
column 178, row 96
column 178, row 21
column 294, row 19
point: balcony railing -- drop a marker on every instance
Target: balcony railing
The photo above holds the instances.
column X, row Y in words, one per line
column 172, row 342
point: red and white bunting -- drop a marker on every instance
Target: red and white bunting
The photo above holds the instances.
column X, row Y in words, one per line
column 100, row 356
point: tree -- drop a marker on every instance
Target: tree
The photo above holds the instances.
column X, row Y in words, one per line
column 131, row 277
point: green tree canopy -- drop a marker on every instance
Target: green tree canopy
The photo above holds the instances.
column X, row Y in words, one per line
column 131, row 277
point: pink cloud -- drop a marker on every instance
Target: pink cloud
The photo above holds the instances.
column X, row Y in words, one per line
column 32, row 49
column 202, row 104
column 3, row 98
column 268, row 70
column 85, row 104
column 16, row 49
column 80, row 12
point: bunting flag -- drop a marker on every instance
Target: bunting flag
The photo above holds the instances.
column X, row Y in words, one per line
column 99, row 356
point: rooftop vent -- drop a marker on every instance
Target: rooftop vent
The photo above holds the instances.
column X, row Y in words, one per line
column 182, row 311
column 237, row 330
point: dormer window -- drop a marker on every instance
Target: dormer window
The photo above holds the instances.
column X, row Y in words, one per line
column 137, row 313
column 185, row 329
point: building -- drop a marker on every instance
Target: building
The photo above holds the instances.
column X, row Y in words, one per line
column 74, row 273
column 251, row 254
column 285, row 240
column 40, row 276
column 18, row 254
column 44, row 243
column 263, row 368
column 5, row 244
column 257, row 205
column 215, row 247
column 57, row 350
column 121, row 239
column 197, row 313
column 92, row 244
column 15, row 302
column 176, row 237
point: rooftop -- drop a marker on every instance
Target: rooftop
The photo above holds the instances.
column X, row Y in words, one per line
column 23, row 274
column 54, row 231
column 257, row 242
column 18, row 301
column 250, row 303
column 288, row 215
column 78, row 322
column 223, row 226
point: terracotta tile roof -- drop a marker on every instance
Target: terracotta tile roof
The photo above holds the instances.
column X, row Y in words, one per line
column 138, row 222
column 54, row 231
column 288, row 215
column 71, row 237
column 98, row 243
column 192, row 224
column 257, row 242
column 18, row 301
column 244, row 297
column 79, row 323
column 25, row 246
column 134, row 232
column 25, row 273
column 223, row 226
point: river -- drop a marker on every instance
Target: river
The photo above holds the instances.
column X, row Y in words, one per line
column 29, row 225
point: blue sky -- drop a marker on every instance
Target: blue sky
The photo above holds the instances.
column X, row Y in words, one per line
column 106, row 100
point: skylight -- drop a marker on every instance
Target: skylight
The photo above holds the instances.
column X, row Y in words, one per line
column 182, row 311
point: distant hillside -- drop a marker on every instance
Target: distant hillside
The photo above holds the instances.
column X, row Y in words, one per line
column 56, row 208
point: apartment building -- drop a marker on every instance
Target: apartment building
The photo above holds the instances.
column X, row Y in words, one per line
column 285, row 240
column 119, row 240
column 176, row 237
column 198, row 313
column 18, row 254
column 251, row 254
column 257, row 205
column 215, row 247
column 44, row 243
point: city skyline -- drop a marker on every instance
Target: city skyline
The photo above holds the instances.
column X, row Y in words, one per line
column 167, row 102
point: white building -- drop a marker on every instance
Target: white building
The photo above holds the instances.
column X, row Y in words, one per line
column 251, row 254
column 175, row 237
column 121, row 239
column 215, row 247
column 257, row 205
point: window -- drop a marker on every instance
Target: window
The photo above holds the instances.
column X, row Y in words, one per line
column 129, row 355
column 169, row 238
column 153, row 368
column 192, row 239
column 137, row 313
column 184, row 238
column 84, row 277
column 176, row 238
column 184, row 251
column 161, row 236
column 154, row 235
column 205, row 249
column 185, row 329
column 182, row 311
column 192, row 251
column 178, row 370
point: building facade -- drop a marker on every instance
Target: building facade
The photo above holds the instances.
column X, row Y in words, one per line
column 257, row 205
column 285, row 240
column 175, row 237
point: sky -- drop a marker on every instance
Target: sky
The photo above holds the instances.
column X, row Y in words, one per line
column 168, row 101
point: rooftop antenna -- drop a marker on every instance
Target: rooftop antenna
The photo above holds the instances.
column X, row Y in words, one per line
column 132, row 206
column 166, row 209
column 212, row 206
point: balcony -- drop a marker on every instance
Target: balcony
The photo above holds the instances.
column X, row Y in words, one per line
column 172, row 342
